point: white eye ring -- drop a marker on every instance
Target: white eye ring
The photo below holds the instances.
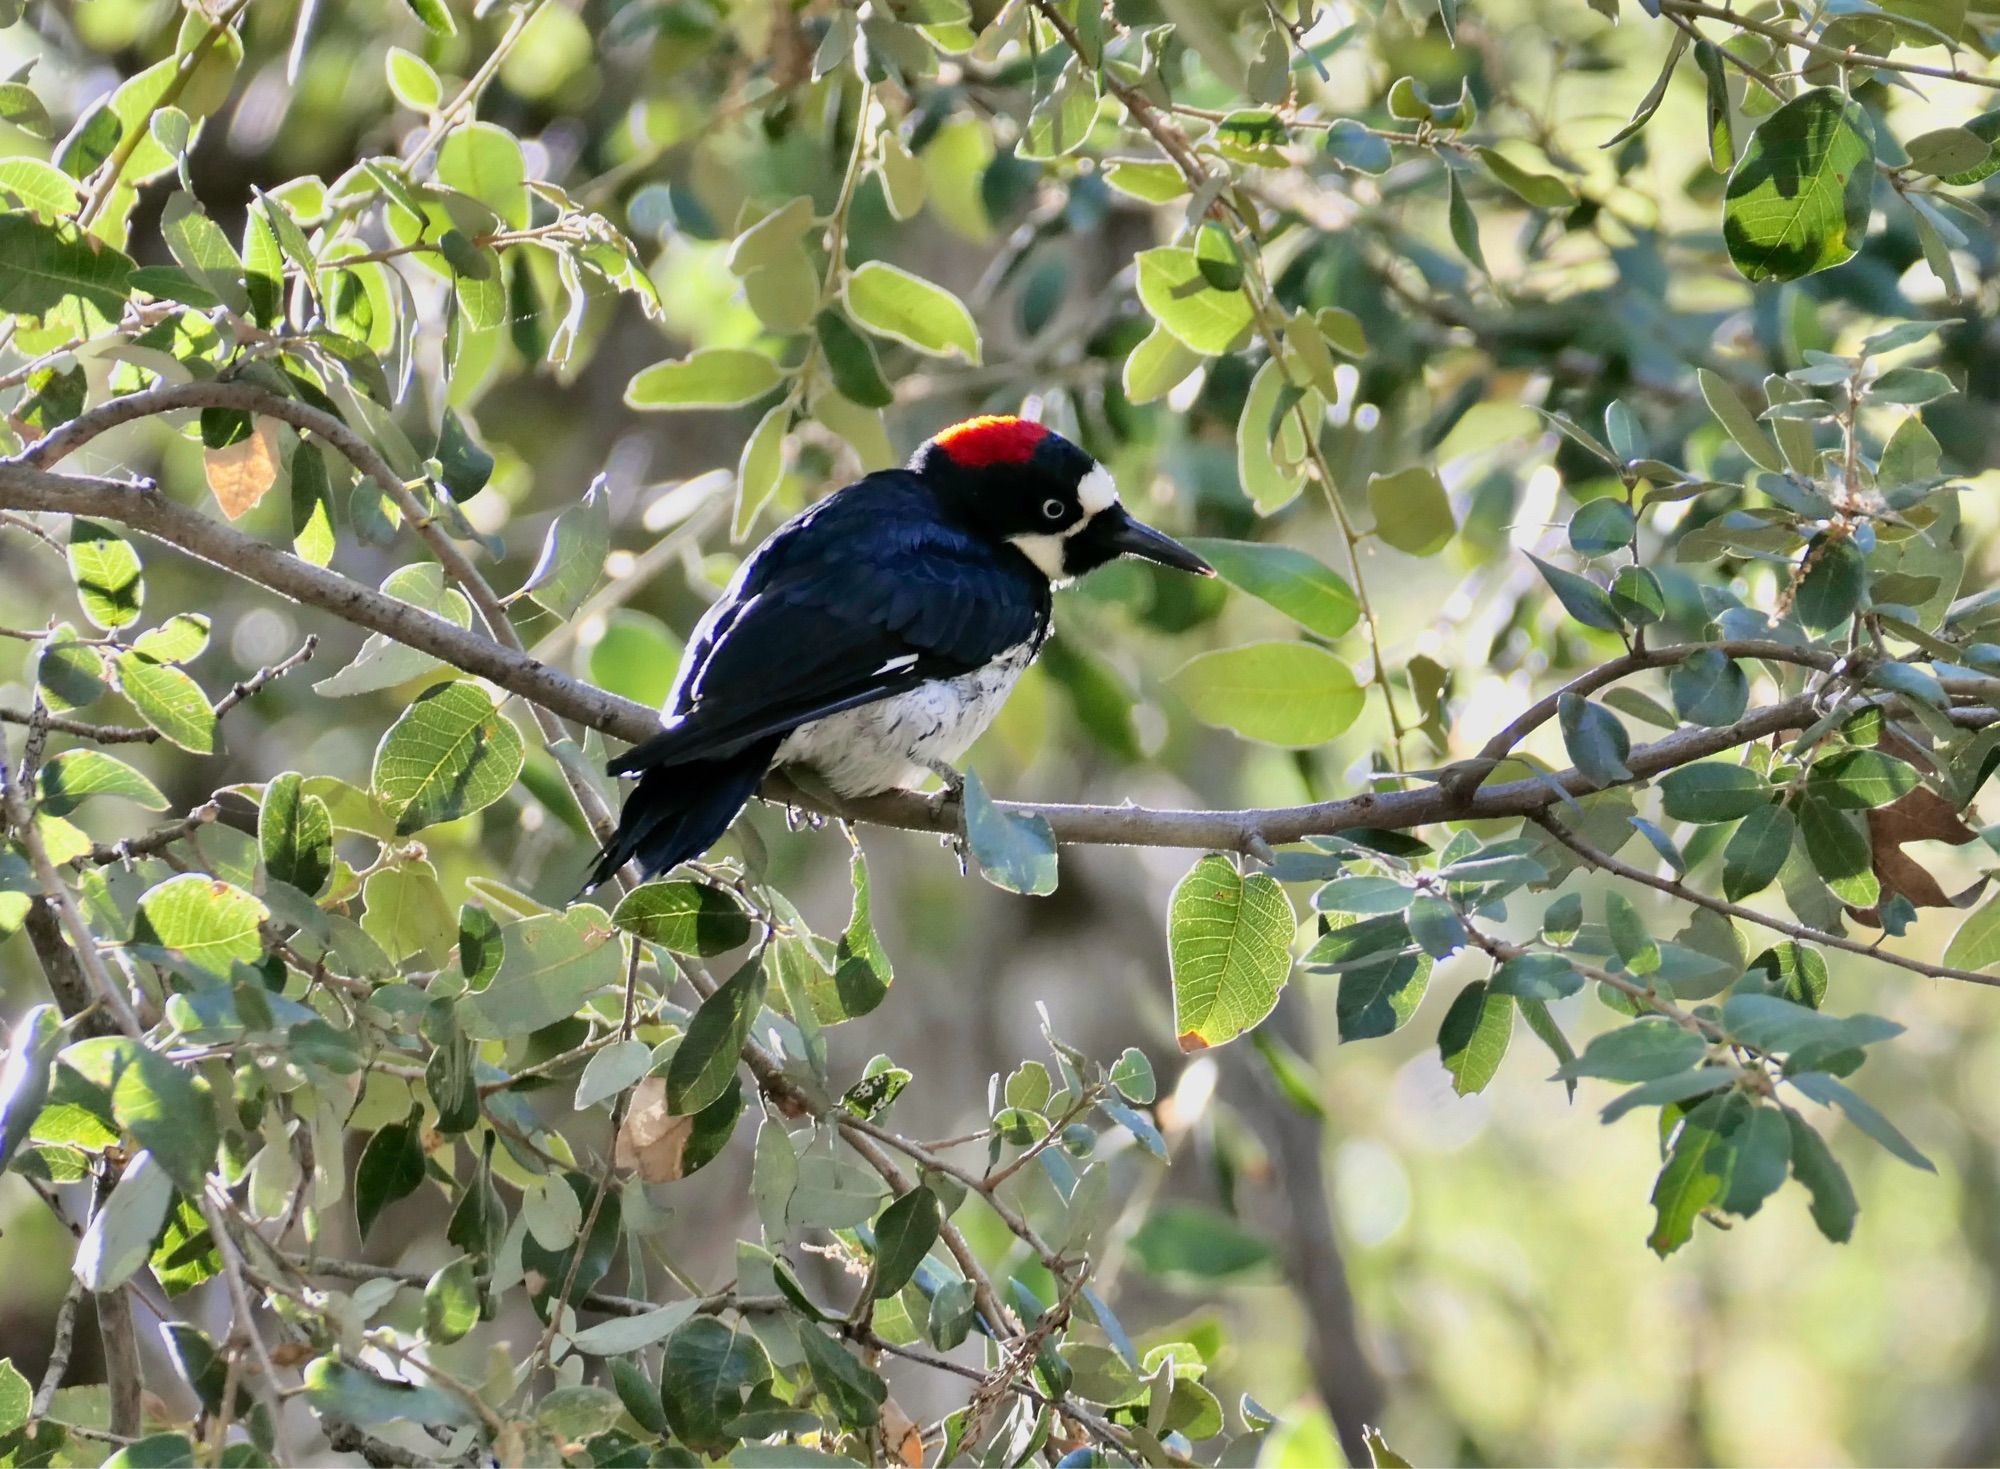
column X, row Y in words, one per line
column 1052, row 508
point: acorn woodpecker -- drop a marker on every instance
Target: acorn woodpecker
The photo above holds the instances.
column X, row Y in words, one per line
column 874, row 635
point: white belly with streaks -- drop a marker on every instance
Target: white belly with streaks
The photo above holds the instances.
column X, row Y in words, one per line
column 883, row 746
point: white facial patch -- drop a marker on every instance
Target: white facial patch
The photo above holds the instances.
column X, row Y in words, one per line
column 1096, row 491
column 1045, row 550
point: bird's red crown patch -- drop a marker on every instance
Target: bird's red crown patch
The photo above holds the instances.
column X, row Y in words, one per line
column 993, row 439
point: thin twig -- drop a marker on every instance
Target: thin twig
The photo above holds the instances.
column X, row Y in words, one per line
column 1598, row 858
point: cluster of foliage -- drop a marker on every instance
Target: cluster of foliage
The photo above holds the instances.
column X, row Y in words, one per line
column 1764, row 533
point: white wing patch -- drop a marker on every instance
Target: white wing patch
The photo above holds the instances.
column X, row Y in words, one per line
column 897, row 665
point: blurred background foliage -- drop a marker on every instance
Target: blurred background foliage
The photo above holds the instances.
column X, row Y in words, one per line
column 1503, row 1307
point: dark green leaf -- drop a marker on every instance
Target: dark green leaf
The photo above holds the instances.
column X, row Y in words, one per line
column 1797, row 201
column 1474, row 1036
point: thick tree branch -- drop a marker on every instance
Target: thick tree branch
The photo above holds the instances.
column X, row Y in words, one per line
column 1244, row 830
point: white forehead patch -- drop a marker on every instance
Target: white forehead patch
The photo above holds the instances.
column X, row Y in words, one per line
column 1096, row 491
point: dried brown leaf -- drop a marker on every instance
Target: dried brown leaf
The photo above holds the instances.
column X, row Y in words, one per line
column 652, row 1139
column 240, row 475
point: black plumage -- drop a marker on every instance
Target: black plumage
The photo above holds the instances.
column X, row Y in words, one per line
column 913, row 597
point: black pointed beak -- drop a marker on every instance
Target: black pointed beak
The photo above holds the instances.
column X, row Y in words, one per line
column 1129, row 537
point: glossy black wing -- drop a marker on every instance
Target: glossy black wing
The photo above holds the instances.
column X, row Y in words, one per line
column 864, row 596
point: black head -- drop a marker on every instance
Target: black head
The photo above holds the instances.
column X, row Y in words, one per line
column 1015, row 481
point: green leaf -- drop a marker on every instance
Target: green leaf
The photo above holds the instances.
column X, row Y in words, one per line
column 1789, row 970
column 1641, row 1051
column 854, row 1392
column 1473, row 1039
column 708, row 1368
column 1229, row 938
column 622, row 1334
column 1739, row 422
column 1693, row 1177
column 209, row 925
column 1797, row 200
column 1017, row 853
column 851, row 361
column 1356, row 146
column 1756, row 851
column 1829, row 1091
column 1195, row 1243
column 464, row 463
column 572, row 560
column 485, row 162
column 1464, row 224
column 451, row 1301
column 165, row 1108
column 449, row 754
column 1536, row 977
column 715, row 377
column 1294, row 695
column 43, row 264
column 705, row 1062
column 295, row 835
column 204, row 252
column 1976, row 945
column 1159, row 364
column 168, row 700
column 180, row 639
column 106, row 571
column 383, row 662
column 1859, row 779
column 391, row 1168
column 355, row 1395
column 48, row 191
column 1582, row 598
column 1412, row 512
column 1596, row 741
column 891, row 302
column 412, row 81
column 121, row 1233
column 1364, row 894
column 1543, row 190
column 1709, row 689
column 1378, row 998
column 1174, row 290
column 1603, row 526
column 1712, row 791
column 903, row 1237
column 1633, row 944
column 1835, row 581
column 1436, row 926
column 1302, row 587
column 684, row 917
column 862, row 972
column 1839, row 851
column 74, row 776
column 1833, row 1204
column 549, row 965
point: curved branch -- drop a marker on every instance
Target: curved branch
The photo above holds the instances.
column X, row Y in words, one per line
column 1245, row 830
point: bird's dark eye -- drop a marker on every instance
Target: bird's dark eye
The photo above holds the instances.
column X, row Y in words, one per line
column 1052, row 508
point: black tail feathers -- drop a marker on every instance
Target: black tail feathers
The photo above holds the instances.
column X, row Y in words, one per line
column 676, row 812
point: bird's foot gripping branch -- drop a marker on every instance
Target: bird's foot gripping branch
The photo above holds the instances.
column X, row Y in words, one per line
column 1716, row 585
